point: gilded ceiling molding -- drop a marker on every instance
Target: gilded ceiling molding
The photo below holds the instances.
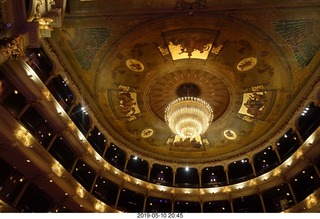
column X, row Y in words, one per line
column 12, row 48
column 183, row 5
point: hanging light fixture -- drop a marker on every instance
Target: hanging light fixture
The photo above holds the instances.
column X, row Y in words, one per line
column 188, row 117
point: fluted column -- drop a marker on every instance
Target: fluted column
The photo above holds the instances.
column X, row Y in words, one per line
column 74, row 165
column 275, row 148
column 227, row 175
column 118, row 196
column 126, row 164
column 94, row 183
column 253, row 167
column 22, row 191
column 292, row 192
column 25, row 107
column 74, row 104
column 90, row 129
column 51, row 141
column 149, row 172
column 231, row 202
column 315, row 168
column 145, row 202
column 174, row 177
column 172, row 205
column 51, row 77
column 296, row 130
column 105, row 150
column 261, row 199
column 262, row 203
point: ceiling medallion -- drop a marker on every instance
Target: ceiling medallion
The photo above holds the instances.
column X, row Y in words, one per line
column 247, row 64
column 135, row 65
column 229, row 134
column 188, row 117
column 146, row 133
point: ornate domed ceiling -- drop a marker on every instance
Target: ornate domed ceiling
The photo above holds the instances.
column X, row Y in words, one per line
column 132, row 63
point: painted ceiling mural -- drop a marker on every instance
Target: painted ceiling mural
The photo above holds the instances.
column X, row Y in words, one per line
column 85, row 43
column 299, row 34
column 138, row 67
column 152, row 63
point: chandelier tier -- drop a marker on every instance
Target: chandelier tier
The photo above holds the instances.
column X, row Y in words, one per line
column 188, row 117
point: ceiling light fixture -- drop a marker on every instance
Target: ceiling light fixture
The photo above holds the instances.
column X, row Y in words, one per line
column 188, row 117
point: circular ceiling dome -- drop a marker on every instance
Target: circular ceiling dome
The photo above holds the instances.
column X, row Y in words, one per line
column 205, row 85
column 226, row 63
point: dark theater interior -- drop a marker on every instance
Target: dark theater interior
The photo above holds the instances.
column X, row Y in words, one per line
column 160, row 106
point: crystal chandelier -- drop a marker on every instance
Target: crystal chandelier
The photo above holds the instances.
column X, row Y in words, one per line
column 188, row 117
